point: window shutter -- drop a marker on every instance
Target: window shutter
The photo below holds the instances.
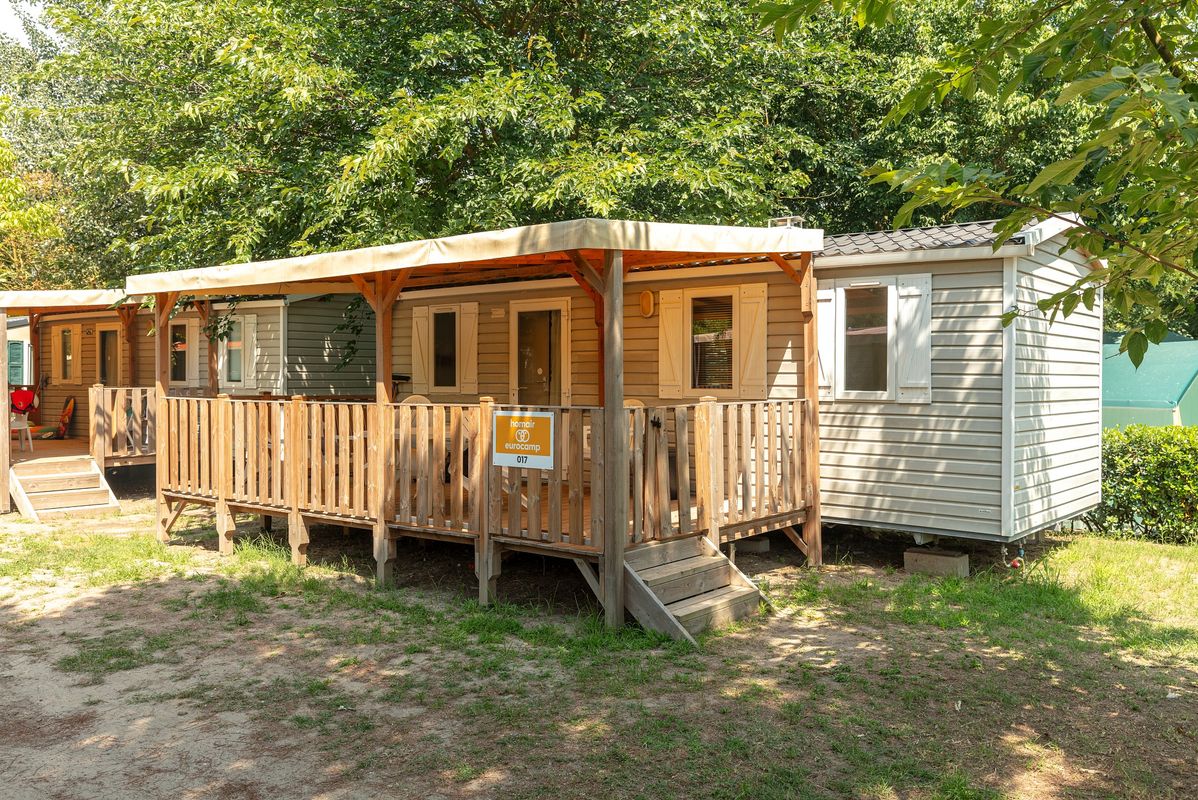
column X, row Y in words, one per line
column 913, row 353
column 468, row 354
column 193, row 352
column 77, row 354
column 56, row 354
column 249, row 347
column 672, row 345
column 752, row 318
column 420, row 350
column 826, row 333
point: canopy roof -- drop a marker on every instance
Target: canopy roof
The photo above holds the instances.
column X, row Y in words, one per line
column 512, row 254
column 1165, row 375
column 37, row 302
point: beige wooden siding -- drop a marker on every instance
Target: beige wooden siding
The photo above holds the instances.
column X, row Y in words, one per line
column 315, row 348
column 932, row 467
column 783, row 333
column 1057, row 397
column 55, row 395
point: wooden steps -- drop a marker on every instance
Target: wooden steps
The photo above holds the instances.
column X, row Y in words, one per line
column 685, row 586
column 49, row 487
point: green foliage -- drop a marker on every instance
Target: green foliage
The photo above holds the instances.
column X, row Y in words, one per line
column 187, row 134
column 1149, row 483
column 1129, row 182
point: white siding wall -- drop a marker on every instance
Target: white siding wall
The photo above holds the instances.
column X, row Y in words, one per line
column 927, row 467
column 1057, row 397
column 315, row 348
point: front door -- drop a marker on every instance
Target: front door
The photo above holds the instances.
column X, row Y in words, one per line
column 109, row 342
column 540, row 359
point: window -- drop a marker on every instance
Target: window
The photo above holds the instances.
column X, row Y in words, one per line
column 445, row 349
column 68, row 355
column 235, row 352
column 711, row 342
column 65, row 341
column 108, row 355
column 875, row 339
column 236, row 360
column 180, row 352
column 866, row 357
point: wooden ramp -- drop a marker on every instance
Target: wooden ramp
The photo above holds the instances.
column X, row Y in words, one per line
column 685, row 586
column 48, row 487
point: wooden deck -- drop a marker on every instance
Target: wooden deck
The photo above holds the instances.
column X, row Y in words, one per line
column 49, row 449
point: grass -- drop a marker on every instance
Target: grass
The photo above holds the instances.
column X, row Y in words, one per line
column 1140, row 596
column 870, row 684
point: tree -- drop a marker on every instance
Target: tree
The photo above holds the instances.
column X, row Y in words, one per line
column 1127, row 66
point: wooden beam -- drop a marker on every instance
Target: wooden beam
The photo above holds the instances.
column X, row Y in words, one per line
column 615, row 441
column 366, row 288
column 597, row 303
column 204, row 309
column 799, row 276
column 385, row 290
column 586, row 269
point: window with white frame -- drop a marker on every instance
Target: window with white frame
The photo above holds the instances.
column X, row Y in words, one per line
column 181, row 345
column 875, row 339
column 236, row 360
column 445, row 349
column 65, row 358
column 712, row 341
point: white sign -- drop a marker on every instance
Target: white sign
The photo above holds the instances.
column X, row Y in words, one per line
column 522, row 439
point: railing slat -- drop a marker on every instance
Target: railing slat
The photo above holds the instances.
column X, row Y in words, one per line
column 404, row 458
column 423, row 483
column 597, row 456
column 682, row 448
column 662, row 490
column 637, row 483
column 344, row 432
column 555, row 479
column 457, row 519
column 577, row 479
column 361, row 436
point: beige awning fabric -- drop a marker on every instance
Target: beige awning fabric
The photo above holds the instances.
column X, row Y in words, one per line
column 34, row 302
column 532, row 246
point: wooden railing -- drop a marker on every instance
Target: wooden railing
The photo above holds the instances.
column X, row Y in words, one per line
column 122, row 423
column 705, row 468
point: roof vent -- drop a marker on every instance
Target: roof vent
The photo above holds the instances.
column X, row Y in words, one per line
column 788, row 222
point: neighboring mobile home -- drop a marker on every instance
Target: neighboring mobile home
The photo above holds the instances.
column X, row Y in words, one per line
column 1162, row 391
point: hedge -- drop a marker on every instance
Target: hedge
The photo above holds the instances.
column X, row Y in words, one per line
column 1149, row 483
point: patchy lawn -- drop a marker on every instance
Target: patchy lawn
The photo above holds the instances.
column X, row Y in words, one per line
column 135, row 669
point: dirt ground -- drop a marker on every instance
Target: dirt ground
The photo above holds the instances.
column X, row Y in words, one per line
column 171, row 672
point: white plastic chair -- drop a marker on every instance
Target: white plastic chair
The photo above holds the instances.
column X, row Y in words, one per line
column 20, row 424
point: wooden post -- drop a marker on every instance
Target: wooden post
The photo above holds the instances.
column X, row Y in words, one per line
column 381, row 294
column 812, row 528
column 164, row 303
column 128, row 315
column 35, row 356
column 486, row 556
column 615, row 440
column 6, row 444
column 294, row 462
column 707, row 466
column 204, row 309
column 97, row 414
column 226, row 521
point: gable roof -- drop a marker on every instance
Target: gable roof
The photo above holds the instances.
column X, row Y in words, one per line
column 951, row 236
column 1165, row 375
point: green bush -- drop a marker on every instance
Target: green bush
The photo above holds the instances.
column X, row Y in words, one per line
column 1149, row 483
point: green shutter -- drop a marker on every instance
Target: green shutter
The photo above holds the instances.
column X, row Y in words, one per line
column 16, row 363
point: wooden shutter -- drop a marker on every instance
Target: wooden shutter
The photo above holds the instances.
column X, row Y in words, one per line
column 249, row 348
column 913, row 352
column 826, row 340
column 420, row 350
column 56, row 354
column 671, row 344
column 752, row 324
column 468, row 351
column 193, row 352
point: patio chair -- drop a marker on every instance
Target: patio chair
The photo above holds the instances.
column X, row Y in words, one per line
column 21, row 402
